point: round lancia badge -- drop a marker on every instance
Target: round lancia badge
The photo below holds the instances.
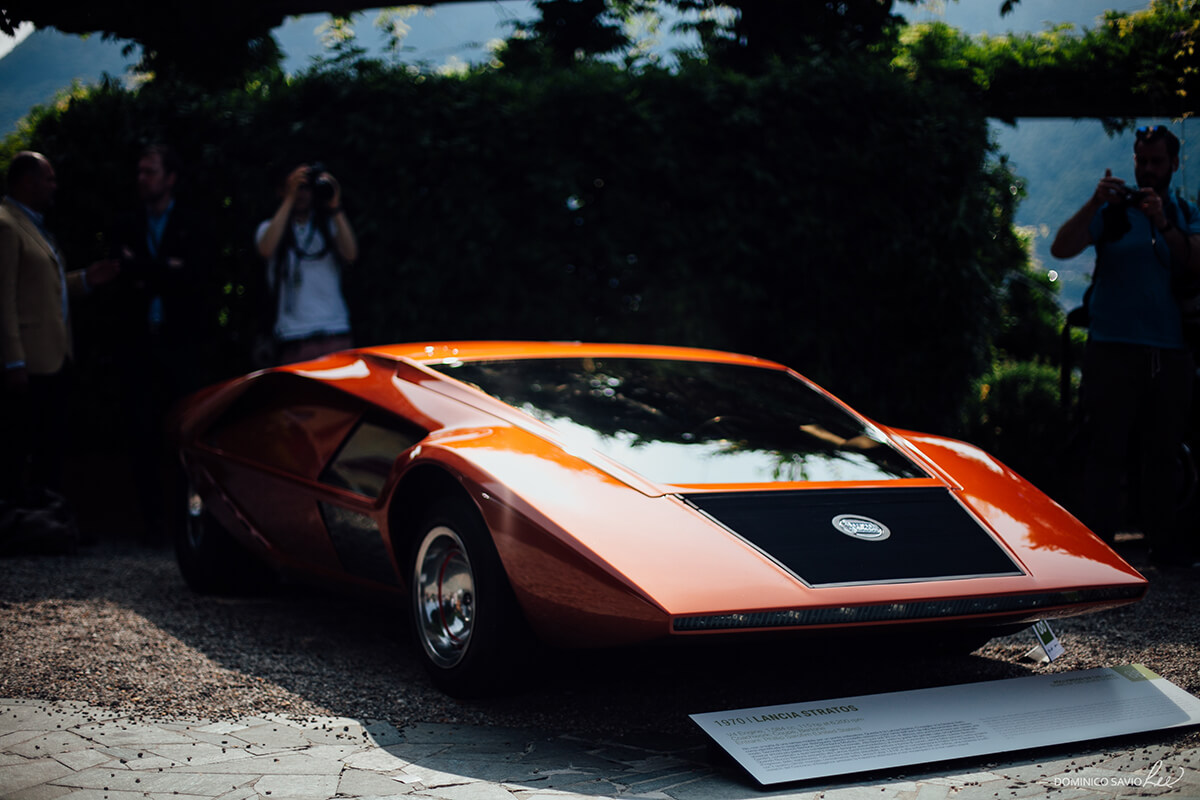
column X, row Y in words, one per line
column 858, row 527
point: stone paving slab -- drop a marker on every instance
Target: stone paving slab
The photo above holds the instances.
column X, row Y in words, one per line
column 69, row 751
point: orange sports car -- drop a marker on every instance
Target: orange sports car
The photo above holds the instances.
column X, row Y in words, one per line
column 602, row 495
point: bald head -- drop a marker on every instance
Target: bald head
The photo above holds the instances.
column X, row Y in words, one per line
column 31, row 180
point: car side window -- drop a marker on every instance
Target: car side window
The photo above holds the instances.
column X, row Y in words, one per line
column 365, row 460
column 287, row 424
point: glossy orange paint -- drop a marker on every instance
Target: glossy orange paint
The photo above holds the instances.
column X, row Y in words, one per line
column 596, row 554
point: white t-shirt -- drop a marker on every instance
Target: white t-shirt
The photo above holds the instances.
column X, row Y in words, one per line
column 310, row 302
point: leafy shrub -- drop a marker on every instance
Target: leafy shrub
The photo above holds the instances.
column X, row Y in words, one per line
column 1017, row 415
column 839, row 217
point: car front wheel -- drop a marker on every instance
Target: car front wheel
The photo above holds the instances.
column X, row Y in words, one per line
column 465, row 618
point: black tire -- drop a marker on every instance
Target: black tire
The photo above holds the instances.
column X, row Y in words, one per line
column 211, row 561
column 466, row 623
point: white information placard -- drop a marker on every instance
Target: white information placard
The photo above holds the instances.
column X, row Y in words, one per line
column 801, row 741
column 1051, row 647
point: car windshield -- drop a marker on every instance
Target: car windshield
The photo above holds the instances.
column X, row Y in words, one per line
column 693, row 422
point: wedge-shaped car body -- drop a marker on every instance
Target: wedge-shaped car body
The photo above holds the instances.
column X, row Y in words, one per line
column 603, row 495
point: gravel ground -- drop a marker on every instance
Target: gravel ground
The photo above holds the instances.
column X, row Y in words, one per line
column 115, row 626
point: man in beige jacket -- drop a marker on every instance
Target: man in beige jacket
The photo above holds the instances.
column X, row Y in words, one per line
column 35, row 330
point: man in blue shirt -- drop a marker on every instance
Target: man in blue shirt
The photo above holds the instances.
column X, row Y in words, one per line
column 1138, row 371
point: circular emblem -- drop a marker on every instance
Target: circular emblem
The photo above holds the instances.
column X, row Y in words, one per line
column 859, row 527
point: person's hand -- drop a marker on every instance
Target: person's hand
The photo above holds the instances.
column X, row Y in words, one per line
column 296, row 179
column 1152, row 206
column 1109, row 190
column 102, row 272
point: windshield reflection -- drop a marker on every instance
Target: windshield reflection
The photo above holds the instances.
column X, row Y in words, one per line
column 692, row 422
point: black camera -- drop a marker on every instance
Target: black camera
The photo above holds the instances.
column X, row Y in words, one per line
column 1132, row 195
column 321, row 186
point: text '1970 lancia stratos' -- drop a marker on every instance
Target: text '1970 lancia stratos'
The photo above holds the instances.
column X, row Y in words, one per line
column 604, row 495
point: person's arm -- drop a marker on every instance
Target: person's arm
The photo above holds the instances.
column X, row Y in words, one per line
column 11, row 350
column 1074, row 236
column 1184, row 245
column 347, row 244
column 273, row 235
column 344, row 238
column 95, row 275
column 1192, row 265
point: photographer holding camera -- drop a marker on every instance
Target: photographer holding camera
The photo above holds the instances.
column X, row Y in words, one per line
column 1138, row 370
column 306, row 244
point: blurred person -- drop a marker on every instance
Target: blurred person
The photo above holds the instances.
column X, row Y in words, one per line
column 35, row 325
column 165, row 318
column 306, row 244
column 1138, row 370
column 166, row 250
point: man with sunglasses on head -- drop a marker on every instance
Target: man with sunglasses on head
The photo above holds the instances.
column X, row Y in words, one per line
column 1138, row 370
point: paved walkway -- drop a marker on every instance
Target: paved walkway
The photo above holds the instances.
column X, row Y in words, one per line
column 68, row 750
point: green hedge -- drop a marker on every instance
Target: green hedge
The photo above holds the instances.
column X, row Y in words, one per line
column 1017, row 415
column 840, row 217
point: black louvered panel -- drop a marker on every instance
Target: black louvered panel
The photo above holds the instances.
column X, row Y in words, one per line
column 903, row 534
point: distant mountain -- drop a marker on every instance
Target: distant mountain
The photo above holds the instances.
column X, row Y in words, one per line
column 49, row 61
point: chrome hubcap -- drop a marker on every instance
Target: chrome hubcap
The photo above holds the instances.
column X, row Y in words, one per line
column 444, row 589
column 194, row 522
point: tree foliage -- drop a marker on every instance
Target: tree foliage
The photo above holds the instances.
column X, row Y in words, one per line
column 566, row 31
column 1141, row 64
column 762, row 32
column 1135, row 64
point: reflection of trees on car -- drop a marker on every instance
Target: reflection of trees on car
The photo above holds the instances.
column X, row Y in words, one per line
column 630, row 407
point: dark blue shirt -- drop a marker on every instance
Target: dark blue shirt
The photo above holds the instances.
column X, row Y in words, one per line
column 1131, row 299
